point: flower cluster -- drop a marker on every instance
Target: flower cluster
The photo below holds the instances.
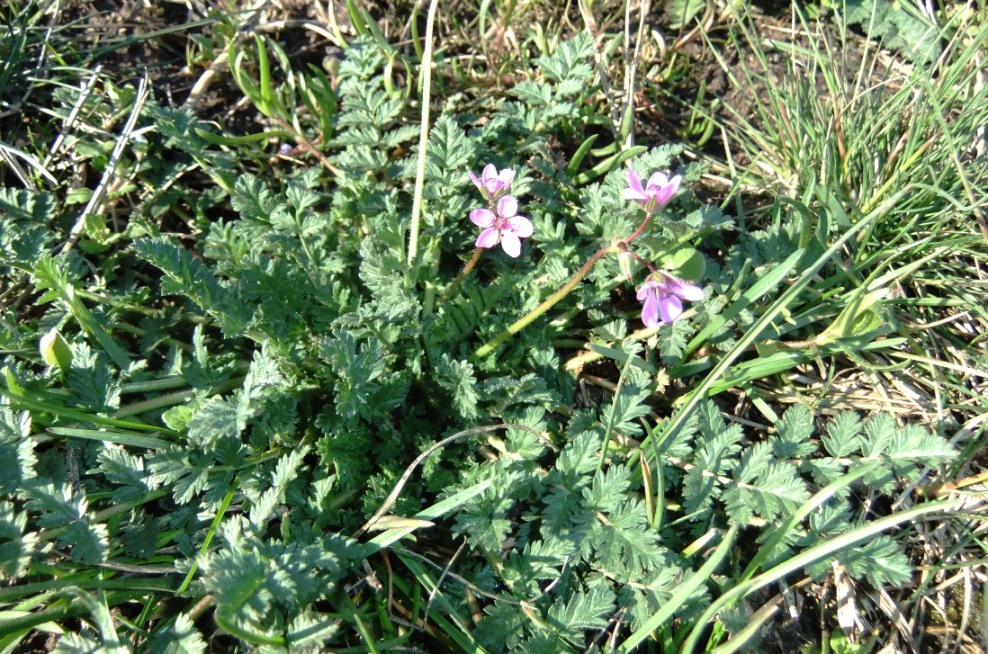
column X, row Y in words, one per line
column 500, row 222
column 662, row 294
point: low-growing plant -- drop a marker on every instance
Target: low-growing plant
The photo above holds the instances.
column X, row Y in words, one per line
column 335, row 411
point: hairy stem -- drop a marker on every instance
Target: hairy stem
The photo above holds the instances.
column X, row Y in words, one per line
column 620, row 246
column 548, row 304
column 474, row 258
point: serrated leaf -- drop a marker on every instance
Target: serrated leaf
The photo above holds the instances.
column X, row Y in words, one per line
column 622, row 541
column 578, row 458
column 450, row 151
column 356, row 370
column 570, row 60
column 125, row 470
column 254, row 200
column 188, row 276
column 673, row 338
column 794, row 433
column 217, row 419
column 843, row 435
column 582, row 611
column 533, row 94
column 91, row 380
column 880, row 561
column 764, row 488
column 458, row 377
column 284, row 473
column 178, row 637
column 17, row 545
column 502, row 626
column 607, row 492
column 16, row 451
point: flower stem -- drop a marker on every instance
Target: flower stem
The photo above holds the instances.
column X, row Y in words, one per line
column 474, row 258
column 548, row 304
column 620, row 246
column 623, row 246
column 635, row 234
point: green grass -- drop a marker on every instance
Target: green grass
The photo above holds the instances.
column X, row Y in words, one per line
column 836, row 126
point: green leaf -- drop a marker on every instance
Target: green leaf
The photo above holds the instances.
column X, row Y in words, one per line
column 17, row 545
column 532, row 93
column 285, row 472
column 458, row 377
column 186, row 474
column 72, row 643
column 215, row 421
column 185, row 275
column 880, row 560
column 26, row 205
column 578, row 459
column 356, row 370
column 622, row 542
column 91, row 380
column 843, row 435
column 450, row 151
column 764, row 488
column 672, row 340
column 582, row 611
column 681, row 13
column 629, row 403
column 16, row 451
column 897, row 27
column 795, row 431
column 570, row 61
column 502, row 627
column 125, row 470
column 60, row 509
column 179, row 636
column 607, row 492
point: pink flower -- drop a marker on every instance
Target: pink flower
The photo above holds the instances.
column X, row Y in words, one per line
column 663, row 298
column 656, row 193
column 493, row 184
column 504, row 226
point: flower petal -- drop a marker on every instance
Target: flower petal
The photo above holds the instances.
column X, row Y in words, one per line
column 634, row 184
column 670, row 308
column 511, row 244
column 686, row 290
column 507, row 206
column 507, row 176
column 648, row 286
column 488, row 238
column 650, row 311
column 482, row 217
column 657, row 180
column 489, row 173
column 633, row 195
column 666, row 193
column 521, row 226
column 476, row 181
